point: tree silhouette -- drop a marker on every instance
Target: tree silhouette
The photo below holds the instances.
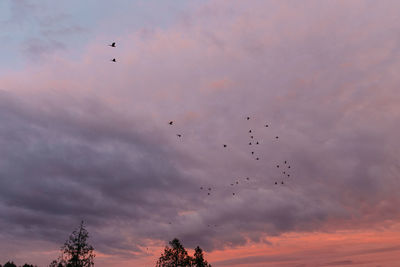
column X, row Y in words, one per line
column 199, row 260
column 176, row 256
column 10, row 264
column 76, row 252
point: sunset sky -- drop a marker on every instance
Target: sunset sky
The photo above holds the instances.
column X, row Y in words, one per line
column 83, row 138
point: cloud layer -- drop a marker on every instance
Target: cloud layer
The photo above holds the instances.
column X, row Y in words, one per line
column 88, row 139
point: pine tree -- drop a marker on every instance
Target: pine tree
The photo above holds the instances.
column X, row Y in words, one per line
column 199, row 260
column 176, row 256
column 76, row 252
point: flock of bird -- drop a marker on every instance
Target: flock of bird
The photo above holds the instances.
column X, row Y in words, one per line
column 284, row 167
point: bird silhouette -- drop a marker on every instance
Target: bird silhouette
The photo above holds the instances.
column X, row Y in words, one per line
column 248, row 118
column 249, row 131
column 112, row 45
column 277, row 166
column 285, row 162
column 250, row 144
column 288, row 175
column 201, row 188
column 257, row 158
column 276, row 137
column 251, row 137
column 257, row 143
column 252, row 152
column 266, row 125
column 179, row 135
column 224, row 145
column 247, row 178
column 233, row 193
column 276, row 182
column 170, row 123
column 282, row 182
column 237, row 182
column 209, row 189
column 208, row 193
column 113, row 60
column 288, row 167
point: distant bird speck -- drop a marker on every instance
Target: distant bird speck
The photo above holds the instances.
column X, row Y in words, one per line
column 248, row 118
column 224, row 145
column 113, row 60
column 170, row 123
column 112, row 45
column 179, row 135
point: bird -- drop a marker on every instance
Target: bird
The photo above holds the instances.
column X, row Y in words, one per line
column 249, row 131
column 231, row 184
column 247, row 178
column 252, row 152
column 170, row 123
column 179, row 135
column 284, row 172
column 112, row 45
column 276, row 137
column 250, row 144
column 233, row 193
column 113, row 60
column 285, row 162
column 209, row 189
column 201, row 188
column 224, row 145
column 288, row 167
column 266, row 125
column 276, row 182
column 257, row 158
column 237, row 182
column 251, row 137
column 208, row 193
column 282, row 182
column 257, row 143
column 288, row 175
column 248, row 118
column 277, row 166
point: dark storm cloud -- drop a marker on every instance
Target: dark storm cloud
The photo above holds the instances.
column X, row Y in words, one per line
column 59, row 166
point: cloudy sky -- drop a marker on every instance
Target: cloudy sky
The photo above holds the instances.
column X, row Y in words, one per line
column 83, row 138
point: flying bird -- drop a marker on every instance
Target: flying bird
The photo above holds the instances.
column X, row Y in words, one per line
column 201, row 187
column 257, row 143
column 112, row 45
column 248, row 118
column 233, row 193
column 179, row 135
column 170, row 123
column 251, row 137
column 252, row 152
column 250, row 144
column 257, row 158
column 113, row 60
column 276, row 182
column 266, row 125
column 276, row 137
column 249, row 131
column 247, row 178
column 285, row 162
column 282, row 182
column 277, row 166
column 224, row 145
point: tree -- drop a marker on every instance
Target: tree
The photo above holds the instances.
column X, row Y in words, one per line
column 10, row 264
column 76, row 252
column 198, row 260
column 176, row 256
column 28, row 265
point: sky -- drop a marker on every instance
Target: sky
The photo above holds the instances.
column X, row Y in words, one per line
column 83, row 138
